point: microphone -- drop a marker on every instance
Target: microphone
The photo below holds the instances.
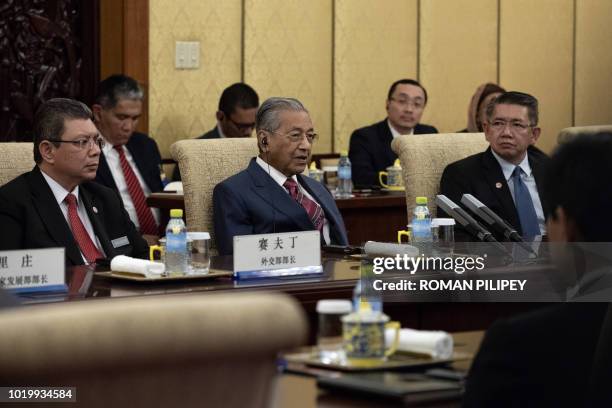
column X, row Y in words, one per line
column 467, row 221
column 495, row 221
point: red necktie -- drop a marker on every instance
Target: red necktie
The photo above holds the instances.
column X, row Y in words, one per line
column 86, row 245
column 313, row 209
column 144, row 214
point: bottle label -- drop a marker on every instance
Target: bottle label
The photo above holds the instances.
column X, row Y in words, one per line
column 176, row 242
column 344, row 172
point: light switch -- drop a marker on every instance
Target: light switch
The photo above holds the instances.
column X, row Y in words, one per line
column 187, row 55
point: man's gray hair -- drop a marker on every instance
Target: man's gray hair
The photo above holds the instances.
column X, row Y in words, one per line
column 267, row 114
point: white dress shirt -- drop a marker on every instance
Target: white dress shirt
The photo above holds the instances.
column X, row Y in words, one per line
column 280, row 179
column 112, row 158
column 395, row 133
column 529, row 180
column 60, row 194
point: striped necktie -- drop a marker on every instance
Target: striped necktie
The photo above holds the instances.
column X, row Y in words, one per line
column 313, row 209
column 524, row 206
column 82, row 238
column 143, row 212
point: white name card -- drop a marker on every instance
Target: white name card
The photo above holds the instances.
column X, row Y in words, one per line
column 287, row 253
column 32, row 269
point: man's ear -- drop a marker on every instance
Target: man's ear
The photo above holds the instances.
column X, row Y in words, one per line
column 220, row 116
column 47, row 151
column 97, row 111
column 536, row 134
column 567, row 226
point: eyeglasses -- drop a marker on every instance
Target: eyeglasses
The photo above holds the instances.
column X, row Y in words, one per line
column 406, row 102
column 84, row 142
column 297, row 136
column 242, row 126
column 515, row 126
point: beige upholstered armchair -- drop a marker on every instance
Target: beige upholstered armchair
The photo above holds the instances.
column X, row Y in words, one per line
column 571, row 132
column 424, row 158
column 153, row 351
column 204, row 163
column 15, row 159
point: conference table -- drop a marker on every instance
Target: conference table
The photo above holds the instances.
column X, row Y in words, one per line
column 373, row 216
column 338, row 280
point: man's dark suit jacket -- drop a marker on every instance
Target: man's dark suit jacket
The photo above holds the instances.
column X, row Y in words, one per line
column 370, row 151
column 251, row 202
column 541, row 359
column 146, row 155
column 31, row 218
column 211, row 134
column 480, row 175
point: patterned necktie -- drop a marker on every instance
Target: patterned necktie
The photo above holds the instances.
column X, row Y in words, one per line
column 144, row 214
column 524, row 206
column 82, row 238
column 313, row 209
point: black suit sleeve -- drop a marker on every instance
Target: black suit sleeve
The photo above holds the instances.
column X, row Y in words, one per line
column 364, row 173
column 11, row 220
column 230, row 218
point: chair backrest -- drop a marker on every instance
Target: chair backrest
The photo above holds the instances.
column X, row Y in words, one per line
column 567, row 134
column 172, row 350
column 424, row 157
column 15, row 159
column 204, row 163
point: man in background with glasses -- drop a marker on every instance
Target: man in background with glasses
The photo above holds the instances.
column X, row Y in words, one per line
column 272, row 195
column 130, row 162
column 370, row 147
column 57, row 204
column 235, row 117
column 507, row 177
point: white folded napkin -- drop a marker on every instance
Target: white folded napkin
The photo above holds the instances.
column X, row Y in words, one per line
column 437, row 344
column 174, row 186
column 149, row 269
column 389, row 249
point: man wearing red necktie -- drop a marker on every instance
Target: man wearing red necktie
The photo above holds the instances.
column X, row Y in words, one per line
column 272, row 195
column 130, row 161
column 57, row 204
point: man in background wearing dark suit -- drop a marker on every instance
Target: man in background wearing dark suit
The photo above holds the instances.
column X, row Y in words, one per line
column 370, row 147
column 235, row 117
column 56, row 204
column 130, row 162
column 507, row 177
column 556, row 356
column 272, row 195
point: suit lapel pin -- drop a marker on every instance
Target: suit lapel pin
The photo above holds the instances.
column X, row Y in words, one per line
column 498, row 185
column 95, row 209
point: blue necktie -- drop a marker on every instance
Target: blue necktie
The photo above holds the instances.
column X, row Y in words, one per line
column 524, row 206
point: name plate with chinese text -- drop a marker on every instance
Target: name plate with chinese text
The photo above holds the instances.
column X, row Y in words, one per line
column 31, row 270
column 277, row 255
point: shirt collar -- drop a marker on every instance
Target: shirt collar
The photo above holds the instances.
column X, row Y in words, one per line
column 395, row 133
column 276, row 175
column 59, row 192
column 508, row 168
column 221, row 135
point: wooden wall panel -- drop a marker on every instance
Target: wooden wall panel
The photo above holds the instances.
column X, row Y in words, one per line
column 288, row 52
column 458, row 52
column 593, row 103
column 374, row 47
column 536, row 56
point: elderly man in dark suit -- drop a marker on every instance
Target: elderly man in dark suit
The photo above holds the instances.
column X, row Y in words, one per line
column 507, row 176
column 271, row 195
column 370, row 147
column 130, row 162
column 235, row 117
column 57, row 204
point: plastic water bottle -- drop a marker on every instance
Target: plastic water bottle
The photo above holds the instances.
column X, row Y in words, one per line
column 366, row 299
column 177, row 257
column 421, row 222
column 345, row 184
